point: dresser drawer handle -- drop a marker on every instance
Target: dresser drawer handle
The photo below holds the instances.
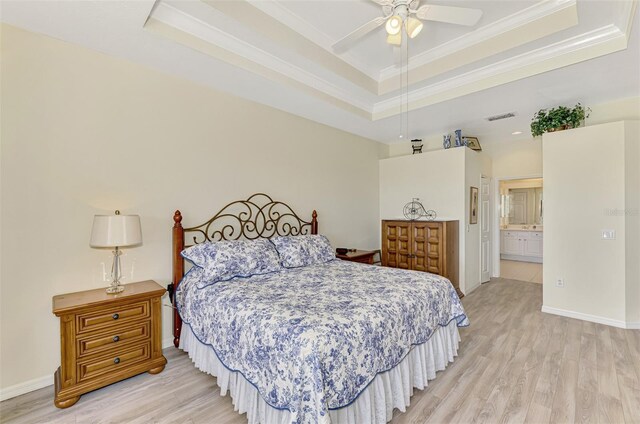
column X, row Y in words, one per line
column 115, row 316
column 116, row 361
column 116, row 338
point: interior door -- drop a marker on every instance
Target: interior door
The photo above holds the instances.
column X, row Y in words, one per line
column 485, row 231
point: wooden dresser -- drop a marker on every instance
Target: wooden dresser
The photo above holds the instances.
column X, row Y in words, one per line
column 106, row 338
column 430, row 246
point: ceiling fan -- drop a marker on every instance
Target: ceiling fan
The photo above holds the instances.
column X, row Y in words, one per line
column 399, row 13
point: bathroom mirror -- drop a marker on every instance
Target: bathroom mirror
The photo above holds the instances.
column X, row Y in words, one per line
column 523, row 206
column 521, row 203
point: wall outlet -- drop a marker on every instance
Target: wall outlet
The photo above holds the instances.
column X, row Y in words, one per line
column 560, row 282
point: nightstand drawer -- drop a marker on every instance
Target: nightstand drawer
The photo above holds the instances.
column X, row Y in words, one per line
column 112, row 339
column 122, row 358
column 113, row 316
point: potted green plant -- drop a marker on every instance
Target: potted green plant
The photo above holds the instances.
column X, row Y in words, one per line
column 558, row 119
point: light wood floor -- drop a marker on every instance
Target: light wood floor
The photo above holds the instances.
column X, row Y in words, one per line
column 521, row 271
column 515, row 365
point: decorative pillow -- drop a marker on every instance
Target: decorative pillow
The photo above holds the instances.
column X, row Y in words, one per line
column 297, row 251
column 224, row 260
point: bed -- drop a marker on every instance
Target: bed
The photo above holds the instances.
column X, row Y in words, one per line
column 328, row 342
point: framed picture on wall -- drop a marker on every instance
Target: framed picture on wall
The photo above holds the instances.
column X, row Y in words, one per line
column 473, row 213
column 473, row 143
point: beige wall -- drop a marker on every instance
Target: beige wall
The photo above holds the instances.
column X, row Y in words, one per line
column 585, row 180
column 442, row 180
column 84, row 133
column 632, row 220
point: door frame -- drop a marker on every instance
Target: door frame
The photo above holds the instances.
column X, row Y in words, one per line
column 495, row 230
column 491, row 213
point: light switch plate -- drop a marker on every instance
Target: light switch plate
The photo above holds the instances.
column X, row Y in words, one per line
column 608, row 234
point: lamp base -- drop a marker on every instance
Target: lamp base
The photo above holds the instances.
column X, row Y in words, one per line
column 115, row 289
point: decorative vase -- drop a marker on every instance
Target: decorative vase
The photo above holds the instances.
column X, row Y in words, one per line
column 459, row 138
column 446, row 141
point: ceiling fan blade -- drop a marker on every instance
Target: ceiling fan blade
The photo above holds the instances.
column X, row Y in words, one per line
column 383, row 2
column 346, row 42
column 449, row 14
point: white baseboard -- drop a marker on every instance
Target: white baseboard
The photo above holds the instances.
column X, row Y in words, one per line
column 591, row 318
column 26, row 387
column 39, row 383
column 469, row 290
column 168, row 342
column 521, row 258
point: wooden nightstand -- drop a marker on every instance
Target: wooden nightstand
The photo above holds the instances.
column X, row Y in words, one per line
column 106, row 338
column 363, row 256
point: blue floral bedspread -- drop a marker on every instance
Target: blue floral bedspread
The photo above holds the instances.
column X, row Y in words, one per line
column 312, row 338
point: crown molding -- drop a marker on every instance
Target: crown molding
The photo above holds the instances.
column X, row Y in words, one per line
column 285, row 16
column 628, row 12
column 227, row 47
column 176, row 18
column 482, row 34
column 604, row 40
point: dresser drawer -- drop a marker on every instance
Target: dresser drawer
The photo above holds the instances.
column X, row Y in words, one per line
column 91, row 344
column 113, row 316
column 93, row 366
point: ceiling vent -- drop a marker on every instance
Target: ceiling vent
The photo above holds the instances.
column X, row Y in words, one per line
column 499, row 117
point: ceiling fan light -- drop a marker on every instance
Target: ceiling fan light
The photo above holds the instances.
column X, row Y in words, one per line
column 413, row 26
column 394, row 25
column 395, row 39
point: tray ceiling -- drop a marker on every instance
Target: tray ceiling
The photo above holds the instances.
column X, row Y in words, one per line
column 279, row 53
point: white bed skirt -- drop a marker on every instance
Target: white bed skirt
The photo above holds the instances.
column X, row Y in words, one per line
column 375, row 405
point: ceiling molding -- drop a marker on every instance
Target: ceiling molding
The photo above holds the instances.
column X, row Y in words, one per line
column 233, row 46
column 586, row 46
column 557, row 15
column 280, row 13
column 500, row 27
column 489, row 44
column 627, row 14
column 286, row 39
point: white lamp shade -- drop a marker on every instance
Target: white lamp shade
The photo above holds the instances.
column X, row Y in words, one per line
column 116, row 230
column 395, row 39
column 393, row 25
column 413, row 26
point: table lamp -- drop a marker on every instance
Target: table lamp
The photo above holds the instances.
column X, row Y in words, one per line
column 116, row 231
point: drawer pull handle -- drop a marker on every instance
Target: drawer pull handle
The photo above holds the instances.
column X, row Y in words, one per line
column 116, row 338
column 115, row 316
column 116, row 361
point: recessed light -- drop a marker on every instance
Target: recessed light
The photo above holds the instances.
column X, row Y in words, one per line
column 400, row 136
column 516, row 133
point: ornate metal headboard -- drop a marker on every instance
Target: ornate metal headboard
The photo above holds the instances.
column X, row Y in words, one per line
column 257, row 217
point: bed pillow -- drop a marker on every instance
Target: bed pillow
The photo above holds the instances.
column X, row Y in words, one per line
column 297, row 251
column 223, row 260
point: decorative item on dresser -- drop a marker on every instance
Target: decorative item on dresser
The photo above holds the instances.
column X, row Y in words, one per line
column 430, row 246
column 362, row 256
column 106, row 338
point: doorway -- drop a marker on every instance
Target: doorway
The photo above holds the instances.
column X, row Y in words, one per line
column 519, row 234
